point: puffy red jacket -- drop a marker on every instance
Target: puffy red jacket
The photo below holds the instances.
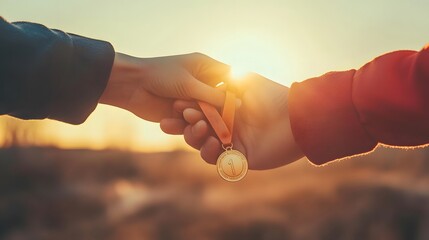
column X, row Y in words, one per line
column 342, row 114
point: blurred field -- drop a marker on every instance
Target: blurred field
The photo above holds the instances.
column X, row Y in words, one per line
column 48, row 193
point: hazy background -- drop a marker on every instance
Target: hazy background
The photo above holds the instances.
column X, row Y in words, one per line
column 118, row 177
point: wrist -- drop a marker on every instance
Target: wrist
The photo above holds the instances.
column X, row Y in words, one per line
column 124, row 78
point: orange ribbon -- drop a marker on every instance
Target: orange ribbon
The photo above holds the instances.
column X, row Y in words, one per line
column 222, row 125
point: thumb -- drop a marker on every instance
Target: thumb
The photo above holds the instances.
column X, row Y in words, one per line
column 203, row 92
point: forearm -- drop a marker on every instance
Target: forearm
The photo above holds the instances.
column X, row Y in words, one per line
column 47, row 73
column 341, row 114
column 391, row 95
column 324, row 120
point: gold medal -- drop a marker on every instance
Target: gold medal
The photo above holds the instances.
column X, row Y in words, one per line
column 232, row 165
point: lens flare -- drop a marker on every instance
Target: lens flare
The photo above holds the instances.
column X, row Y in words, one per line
column 220, row 84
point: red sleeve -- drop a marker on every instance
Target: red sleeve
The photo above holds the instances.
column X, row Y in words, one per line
column 342, row 114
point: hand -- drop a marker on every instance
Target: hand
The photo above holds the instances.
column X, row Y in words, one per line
column 262, row 128
column 148, row 86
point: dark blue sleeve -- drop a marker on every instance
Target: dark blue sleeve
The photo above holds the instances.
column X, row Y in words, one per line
column 47, row 73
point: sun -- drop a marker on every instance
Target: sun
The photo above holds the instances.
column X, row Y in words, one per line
column 238, row 72
column 251, row 52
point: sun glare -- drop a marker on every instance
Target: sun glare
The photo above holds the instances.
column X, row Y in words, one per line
column 252, row 52
column 238, row 72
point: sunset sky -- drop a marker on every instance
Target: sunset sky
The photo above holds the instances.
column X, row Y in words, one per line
column 286, row 41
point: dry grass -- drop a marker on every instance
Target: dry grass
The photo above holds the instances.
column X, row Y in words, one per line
column 81, row 194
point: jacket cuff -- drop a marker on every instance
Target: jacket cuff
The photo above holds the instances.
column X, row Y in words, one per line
column 85, row 80
column 323, row 118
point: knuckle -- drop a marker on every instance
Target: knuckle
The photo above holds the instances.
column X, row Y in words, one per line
column 187, row 135
column 199, row 58
column 198, row 55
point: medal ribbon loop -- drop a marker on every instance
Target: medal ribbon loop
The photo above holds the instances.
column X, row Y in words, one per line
column 222, row 125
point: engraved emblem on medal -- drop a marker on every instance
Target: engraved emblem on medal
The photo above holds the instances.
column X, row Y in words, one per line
column 232, row 165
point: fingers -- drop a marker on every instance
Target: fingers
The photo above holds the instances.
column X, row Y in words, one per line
column 208, row 70
column 192, row 116
column 211, row 150
column 195, row 129
column 188, row 115
column 195, row 135
column 181, row 105
column 173, row 126
column 207, row 74
column 198, row 137
column 200, row 130
column 163, row 107
column 176, row 124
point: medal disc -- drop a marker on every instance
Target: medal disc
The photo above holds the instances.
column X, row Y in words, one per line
column 232, row 165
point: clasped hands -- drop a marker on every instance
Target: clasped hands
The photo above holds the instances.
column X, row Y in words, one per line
column 165, row 90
